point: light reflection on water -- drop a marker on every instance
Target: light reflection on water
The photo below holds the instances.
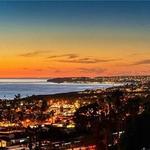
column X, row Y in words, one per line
column 28, row 87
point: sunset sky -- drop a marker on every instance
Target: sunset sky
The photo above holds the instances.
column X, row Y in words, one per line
column 74, row 38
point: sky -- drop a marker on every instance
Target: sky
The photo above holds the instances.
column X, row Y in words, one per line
column 74, row 38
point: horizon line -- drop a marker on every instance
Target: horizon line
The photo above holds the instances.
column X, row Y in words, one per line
column 75, row 77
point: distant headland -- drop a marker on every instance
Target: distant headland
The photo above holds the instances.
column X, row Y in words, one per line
column 114, row 79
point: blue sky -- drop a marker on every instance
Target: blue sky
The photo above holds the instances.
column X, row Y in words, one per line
column 77, row 12
column 113, row 35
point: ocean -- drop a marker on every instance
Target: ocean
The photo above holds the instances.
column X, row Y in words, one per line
column 27, row 87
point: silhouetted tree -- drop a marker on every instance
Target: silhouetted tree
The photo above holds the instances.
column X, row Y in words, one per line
column 44, row 105
column 137, row 133
column 17, row 97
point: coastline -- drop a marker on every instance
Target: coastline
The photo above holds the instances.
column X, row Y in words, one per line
column 71, row 95
column 9, row 89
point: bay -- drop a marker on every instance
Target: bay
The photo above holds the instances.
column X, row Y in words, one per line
column 27, row 87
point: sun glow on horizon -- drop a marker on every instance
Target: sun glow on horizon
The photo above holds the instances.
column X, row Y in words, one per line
column 60, row 39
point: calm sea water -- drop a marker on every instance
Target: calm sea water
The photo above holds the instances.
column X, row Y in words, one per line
column 28, row 87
